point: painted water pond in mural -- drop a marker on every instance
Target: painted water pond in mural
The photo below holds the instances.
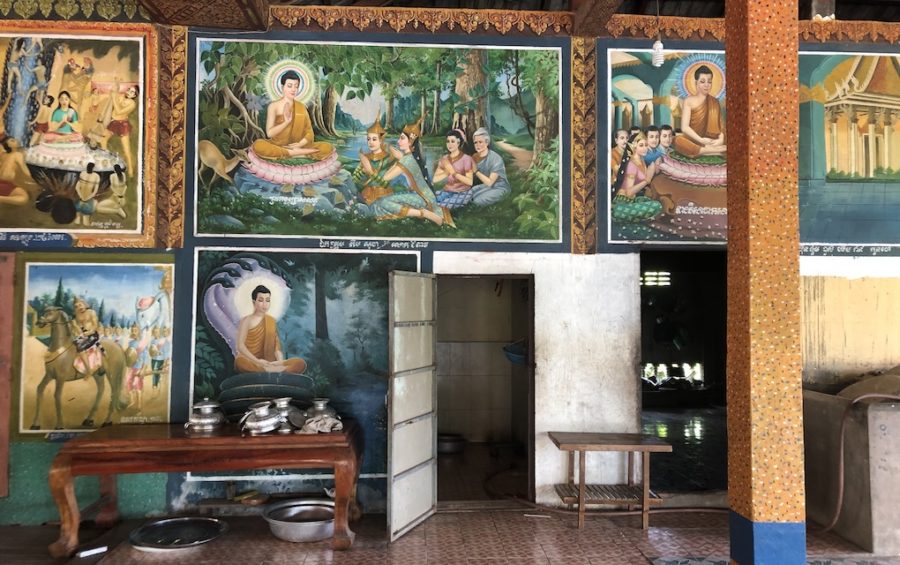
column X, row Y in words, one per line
column 96, row 342
column 666, row 173
column 283, row 323
column 849, row 149
column 369, row 140
column 72, row 119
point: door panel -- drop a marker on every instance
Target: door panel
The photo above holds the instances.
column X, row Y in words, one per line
column 412, row 444
column 413, row 394
column 414, row 347
column 412, row 441
column 408, row 505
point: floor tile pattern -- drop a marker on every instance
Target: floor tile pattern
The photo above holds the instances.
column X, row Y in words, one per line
column 488, row 538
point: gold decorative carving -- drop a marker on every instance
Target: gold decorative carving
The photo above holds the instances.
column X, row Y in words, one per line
column 584, row 145
column 629, row 25
column 103, row 10
column 856, row 31
column 173, row 87
column 421, row 19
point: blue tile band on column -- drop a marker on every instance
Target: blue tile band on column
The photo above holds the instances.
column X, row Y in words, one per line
column 766, row 543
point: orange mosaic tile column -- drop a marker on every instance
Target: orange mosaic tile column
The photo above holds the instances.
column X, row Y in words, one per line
column 765, row 411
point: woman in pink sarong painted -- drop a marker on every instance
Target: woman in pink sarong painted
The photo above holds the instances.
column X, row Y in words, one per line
column 457, row 171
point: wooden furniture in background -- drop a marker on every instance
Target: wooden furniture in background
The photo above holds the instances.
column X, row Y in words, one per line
column 629, row 494
column 166, row 448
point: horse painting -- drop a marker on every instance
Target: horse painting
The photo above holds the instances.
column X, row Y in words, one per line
column 59, row 366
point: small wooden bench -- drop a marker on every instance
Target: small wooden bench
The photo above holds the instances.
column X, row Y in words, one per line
column 630, row 494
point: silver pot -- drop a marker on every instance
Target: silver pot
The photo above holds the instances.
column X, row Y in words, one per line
column 206, row 416
column 320, row 408
column 261, row 419
column 284, row 407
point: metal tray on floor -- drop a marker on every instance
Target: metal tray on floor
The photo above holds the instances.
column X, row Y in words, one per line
column 170, row 534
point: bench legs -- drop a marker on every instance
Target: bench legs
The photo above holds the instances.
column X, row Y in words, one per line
column 63, row 490
column 344, row 479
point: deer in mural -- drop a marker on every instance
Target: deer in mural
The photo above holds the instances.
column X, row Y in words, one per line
column 59, row 366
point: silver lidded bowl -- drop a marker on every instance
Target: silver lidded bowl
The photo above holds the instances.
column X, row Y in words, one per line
column 206, row 416
column 301, row 520
column 261, row 418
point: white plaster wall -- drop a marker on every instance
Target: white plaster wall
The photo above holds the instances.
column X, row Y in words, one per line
column 587, row 349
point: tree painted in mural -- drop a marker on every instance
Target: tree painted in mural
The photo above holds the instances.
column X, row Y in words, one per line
column 358, row 140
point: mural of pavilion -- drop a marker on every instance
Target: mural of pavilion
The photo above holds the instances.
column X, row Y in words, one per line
column 849, row 148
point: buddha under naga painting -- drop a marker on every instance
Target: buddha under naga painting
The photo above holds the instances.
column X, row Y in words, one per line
column 71, row 132
column 376, row 140
column 299, row 324
column 666, row 173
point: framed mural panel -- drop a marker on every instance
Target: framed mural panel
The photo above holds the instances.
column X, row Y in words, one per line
column 379, row 140
column 296, row 323
column 664, row 148
column 96, row 340
column 849, row 153
column 78, row 123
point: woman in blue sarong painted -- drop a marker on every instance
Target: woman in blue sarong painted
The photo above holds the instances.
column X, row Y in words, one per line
column 417, row 200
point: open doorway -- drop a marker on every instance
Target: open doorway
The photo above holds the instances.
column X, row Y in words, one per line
column 485, row 388
column 683, row 343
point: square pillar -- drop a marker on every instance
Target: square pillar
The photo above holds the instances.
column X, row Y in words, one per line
column 765, row 410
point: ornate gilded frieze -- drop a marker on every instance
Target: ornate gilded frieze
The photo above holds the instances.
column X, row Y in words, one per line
column 421, row 19
column 89, row 10
column 172, row 120
column 628, row 25
column 584, row 145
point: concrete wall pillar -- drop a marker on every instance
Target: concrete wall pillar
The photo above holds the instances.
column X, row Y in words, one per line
column 765, row 409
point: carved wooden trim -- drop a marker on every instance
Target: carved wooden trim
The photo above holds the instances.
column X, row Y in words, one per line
column 628, row 25
column 420, row 20
column 172, row 120
column 856, row 31
column 584, row 145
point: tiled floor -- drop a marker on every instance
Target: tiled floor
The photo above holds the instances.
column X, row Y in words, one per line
column 485, row 538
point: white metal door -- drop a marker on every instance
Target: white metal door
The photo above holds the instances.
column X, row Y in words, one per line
column 412, row 436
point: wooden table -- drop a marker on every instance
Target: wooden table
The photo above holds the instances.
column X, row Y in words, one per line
column 165, row 448
column 628, row 494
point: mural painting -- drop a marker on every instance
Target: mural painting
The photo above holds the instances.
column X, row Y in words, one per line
column 71, row 133
column 297, row 324
column 96, row 344
column 850, row 148
column 667, row 143
column 369, row 140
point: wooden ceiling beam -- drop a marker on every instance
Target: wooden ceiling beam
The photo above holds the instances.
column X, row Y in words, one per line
column 227, row 14
column 591, row 16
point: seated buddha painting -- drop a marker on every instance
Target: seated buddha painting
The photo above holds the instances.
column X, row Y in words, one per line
column 666, row 173
column 306, row 139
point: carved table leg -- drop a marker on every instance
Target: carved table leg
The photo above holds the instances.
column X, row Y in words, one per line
column 109, row 509
column 62, row 488
column 344, row 478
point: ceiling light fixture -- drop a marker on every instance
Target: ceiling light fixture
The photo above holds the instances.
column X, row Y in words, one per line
column 657, row 57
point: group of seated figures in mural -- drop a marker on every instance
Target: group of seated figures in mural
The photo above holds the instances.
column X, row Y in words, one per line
column 390, row 182
column 58, row 113
column 640, row 157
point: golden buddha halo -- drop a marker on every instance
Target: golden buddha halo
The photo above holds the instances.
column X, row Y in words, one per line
column 272, row 81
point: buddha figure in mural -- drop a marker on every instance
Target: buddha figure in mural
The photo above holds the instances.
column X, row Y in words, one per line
column 258, row 346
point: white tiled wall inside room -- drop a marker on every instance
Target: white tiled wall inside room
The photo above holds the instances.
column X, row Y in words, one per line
column 475, row 321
